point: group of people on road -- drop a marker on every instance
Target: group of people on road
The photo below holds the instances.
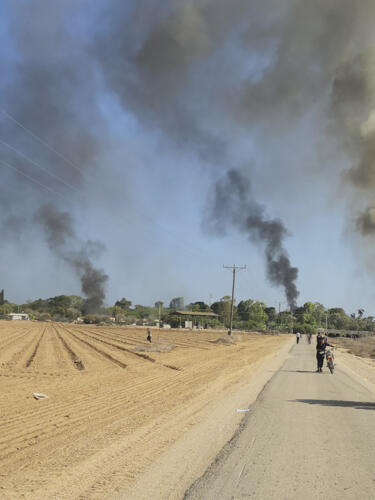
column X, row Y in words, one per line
column 321, row 345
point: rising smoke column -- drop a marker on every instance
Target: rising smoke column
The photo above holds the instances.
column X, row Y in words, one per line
column 59, row 230
column 50, row 90
column 185, row 68
column 233, row 204
column 353, row 107
column 307, row 57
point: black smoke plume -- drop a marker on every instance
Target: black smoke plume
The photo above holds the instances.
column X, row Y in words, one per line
column 63, row 242
column 200, row 73
column 366, row 222
column 353, row 105
column 233, row 204
column 47, row 112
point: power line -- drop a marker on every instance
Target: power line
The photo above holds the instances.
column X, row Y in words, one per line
column 38, row 165
column 69, row 162
column 35, row 181
column 234, row 268
column 41, row 141
column 35, row 136
column 29, row 177
column 178, row 242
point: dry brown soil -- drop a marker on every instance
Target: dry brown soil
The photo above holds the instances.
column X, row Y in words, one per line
column 114, row 406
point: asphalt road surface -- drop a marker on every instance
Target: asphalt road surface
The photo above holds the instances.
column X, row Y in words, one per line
column 308, row 436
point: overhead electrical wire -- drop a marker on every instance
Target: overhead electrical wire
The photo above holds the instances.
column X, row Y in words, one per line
column 38, row 165
column 151, row 221
column 40, row 140
column 177, row 242
column 35, row 181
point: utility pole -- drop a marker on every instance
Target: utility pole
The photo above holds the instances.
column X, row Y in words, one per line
column 279, row 318
column 326, row 322
column 233, row 268
column 292, row 321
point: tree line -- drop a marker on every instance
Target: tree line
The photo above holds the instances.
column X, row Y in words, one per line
column 247, row 314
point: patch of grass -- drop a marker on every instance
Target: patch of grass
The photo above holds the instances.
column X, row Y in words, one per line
column 364, row 347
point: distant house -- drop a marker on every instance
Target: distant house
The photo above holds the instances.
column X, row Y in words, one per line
column 14, row 316
column 193, row 319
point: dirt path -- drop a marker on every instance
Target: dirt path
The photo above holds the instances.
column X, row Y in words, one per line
column 115, row 412
column 308, row 436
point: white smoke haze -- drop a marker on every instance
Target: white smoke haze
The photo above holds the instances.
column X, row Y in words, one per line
column 206, row 86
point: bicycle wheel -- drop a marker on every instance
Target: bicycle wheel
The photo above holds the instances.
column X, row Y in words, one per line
column 330, row 366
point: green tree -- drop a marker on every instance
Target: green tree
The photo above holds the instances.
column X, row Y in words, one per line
column 338, row 319
column 199, row 307
column 222, row 309
column 38, row 305
column 305, row 317
column 285, row 321
column 319, row 313
column 76, row 302
column 58, row 306
column 244, row 309
column 369, row 323
column 71, row 313
column 117, row 312
column 124, row 304
column 142, row 312
column 271, row 314
column 5, row 309
column 253, row 313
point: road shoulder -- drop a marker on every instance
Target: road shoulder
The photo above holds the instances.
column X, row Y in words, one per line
column 362, row 369
column 189, row 457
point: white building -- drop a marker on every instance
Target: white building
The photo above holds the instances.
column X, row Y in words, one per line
column 18, row 316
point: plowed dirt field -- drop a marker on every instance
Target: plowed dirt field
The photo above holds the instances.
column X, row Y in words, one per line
column 115, row 404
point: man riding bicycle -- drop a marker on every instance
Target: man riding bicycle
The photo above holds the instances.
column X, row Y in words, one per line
column 321, row 344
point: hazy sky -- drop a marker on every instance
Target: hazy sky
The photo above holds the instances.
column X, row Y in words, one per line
column 121, row 117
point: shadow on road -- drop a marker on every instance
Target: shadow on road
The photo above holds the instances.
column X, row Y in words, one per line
column 359, row 405
column 298, row 371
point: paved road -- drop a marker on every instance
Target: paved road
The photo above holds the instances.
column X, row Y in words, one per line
column 308, row 436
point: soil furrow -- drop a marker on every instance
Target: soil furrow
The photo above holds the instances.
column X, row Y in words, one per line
column 101, row 427
column 31, row 358
column 100, row 351
column 77, row 363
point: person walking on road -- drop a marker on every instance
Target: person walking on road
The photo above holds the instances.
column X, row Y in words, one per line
column 298, row 336
column 321, row 344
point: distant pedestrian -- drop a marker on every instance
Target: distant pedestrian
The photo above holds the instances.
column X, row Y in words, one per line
column 298, row 336
column 149, row 338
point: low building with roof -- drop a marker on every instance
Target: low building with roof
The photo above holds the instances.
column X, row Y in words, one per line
column 18, row 316
column 191, row 319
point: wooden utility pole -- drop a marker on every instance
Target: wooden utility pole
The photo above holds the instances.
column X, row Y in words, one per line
column 233, row 268
column 279, row 317
column 326, row 323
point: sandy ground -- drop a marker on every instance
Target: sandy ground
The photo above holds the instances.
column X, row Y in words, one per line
column 308, row 435
column 121, row 420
